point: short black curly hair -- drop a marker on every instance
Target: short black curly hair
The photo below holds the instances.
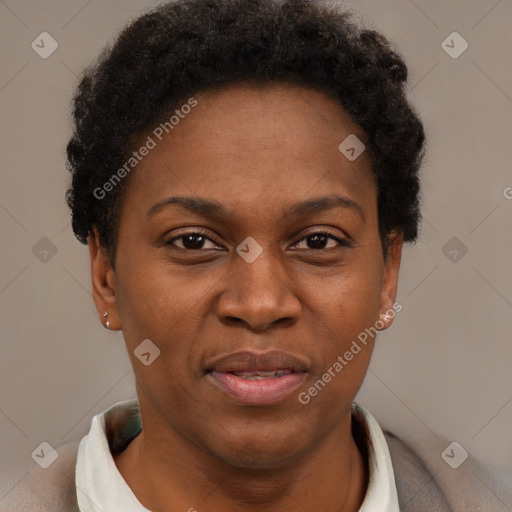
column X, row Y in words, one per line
column 185, row 46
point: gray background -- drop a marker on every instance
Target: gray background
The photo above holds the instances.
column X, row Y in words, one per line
column 443, row 369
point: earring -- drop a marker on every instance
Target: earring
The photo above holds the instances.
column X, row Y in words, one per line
column 107, row 323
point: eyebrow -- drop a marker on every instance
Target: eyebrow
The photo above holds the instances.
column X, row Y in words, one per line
column 205, row 207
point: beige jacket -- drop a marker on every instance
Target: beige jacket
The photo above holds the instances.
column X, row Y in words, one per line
column 424, row 483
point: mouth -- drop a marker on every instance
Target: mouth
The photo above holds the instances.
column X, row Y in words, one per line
column 260, row 374
column 251, row 378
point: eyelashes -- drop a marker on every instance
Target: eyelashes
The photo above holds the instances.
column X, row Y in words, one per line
column 193, row 241
column 321, row 236
column 195, row 234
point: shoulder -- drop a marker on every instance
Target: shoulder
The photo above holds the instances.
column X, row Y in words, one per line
column 416, row 487
column 47, row 490
column 425, row 481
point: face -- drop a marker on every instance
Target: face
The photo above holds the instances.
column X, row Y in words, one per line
column 274, row 245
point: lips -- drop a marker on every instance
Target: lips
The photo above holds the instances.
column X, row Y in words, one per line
column 253, row 362
column 251, row 378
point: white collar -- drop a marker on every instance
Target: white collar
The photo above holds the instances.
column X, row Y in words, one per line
column 381, row 493
column 101, row 487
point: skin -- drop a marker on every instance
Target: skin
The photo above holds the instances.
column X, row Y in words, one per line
column 257, row 151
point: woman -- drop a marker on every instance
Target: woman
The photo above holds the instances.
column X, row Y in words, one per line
column 245, row 175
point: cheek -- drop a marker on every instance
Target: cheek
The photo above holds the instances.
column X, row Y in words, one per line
column 345, row 309
column 166, row 306
column 154, row 299
column 153, row 305
column 351, row 300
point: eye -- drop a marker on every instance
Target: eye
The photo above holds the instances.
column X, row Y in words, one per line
column 320, row 240
column 196, row 241
column 192, row 241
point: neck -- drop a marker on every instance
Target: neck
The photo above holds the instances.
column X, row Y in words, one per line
column 177, row 475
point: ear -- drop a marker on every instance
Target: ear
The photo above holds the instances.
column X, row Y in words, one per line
column 389, row 308
column 103, row 283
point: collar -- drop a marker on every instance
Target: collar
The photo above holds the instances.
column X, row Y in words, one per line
column 101, row 487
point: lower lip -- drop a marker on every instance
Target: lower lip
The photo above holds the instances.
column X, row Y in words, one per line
column 256, row 391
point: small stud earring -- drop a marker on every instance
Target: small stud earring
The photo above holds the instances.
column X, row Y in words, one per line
column 107, row 323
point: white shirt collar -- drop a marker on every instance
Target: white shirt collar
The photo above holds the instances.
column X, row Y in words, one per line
column 101, row 487
column 381, row 493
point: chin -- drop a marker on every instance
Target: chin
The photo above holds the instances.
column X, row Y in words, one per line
column 258, row 454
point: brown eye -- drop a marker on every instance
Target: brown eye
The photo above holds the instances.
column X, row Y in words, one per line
column 191, row 241
column 320, row 240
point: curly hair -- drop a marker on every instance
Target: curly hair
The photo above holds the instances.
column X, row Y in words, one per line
column 186, row 46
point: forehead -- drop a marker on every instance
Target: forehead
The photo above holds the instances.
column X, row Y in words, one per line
column 244, row 144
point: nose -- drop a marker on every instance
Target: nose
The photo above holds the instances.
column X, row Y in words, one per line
column 258, row 295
